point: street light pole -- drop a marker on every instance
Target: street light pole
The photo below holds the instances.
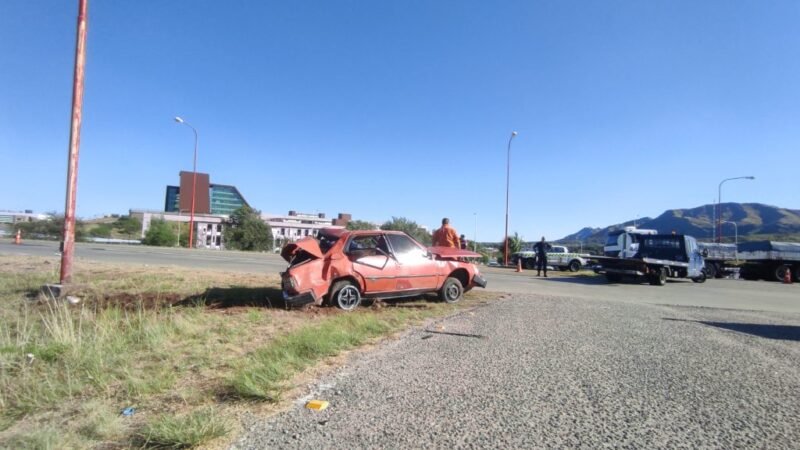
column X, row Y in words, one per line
column 719, row 202
column 194, row 181
column 475, row 240
column 508, row 177
column 735, row 238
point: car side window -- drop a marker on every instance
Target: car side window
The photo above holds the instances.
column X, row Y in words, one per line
column 403, row 246
column 361, row 246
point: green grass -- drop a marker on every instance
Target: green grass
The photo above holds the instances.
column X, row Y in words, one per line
column 183, row 431
column 264, row 373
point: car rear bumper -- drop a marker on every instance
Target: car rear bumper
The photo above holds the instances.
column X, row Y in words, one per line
column 299, row 299
column 478, row 280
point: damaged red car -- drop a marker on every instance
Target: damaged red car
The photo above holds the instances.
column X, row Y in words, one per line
column 343, row 267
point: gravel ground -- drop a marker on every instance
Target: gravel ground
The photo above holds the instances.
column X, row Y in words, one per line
column 531, row 371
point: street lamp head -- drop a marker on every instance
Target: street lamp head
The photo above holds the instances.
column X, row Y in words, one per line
column 178, row 119
column 513, row 133
column 751, row 178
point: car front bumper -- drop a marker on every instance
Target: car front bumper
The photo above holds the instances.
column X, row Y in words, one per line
column 478, row 280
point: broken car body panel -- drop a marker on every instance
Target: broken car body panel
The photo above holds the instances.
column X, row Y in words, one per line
column 382, row 264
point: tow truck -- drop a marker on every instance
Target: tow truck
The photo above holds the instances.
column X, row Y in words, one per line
column 656, row 258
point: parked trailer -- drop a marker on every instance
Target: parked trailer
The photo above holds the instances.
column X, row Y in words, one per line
column 720, row 259
column 769, row 260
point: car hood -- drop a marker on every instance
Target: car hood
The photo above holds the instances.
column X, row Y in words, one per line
column 308, row 245
column 452, row 253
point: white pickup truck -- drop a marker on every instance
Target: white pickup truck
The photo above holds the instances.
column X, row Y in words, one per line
column 559, row 257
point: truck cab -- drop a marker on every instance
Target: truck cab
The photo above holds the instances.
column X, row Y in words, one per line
column 658, row 257
column 624, row 243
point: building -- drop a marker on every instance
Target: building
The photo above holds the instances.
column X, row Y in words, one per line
column 215, row 199
column 12, row 217
column 295, row 225
column 207, row 228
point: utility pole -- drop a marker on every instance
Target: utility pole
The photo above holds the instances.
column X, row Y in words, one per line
column 68, row 242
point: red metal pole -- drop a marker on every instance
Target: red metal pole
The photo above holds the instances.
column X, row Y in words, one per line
column 194, row 191
column 68, row 243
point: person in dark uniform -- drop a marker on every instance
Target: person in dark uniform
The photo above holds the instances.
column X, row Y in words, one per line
column 463, row 240
column 541, row 248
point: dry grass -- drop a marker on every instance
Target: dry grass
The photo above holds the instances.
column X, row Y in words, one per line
column 180, row 346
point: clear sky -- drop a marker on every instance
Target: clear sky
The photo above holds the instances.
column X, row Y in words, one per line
column 404, row 108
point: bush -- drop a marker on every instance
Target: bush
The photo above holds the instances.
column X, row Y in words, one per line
column 410, row 228
column 246, row 231
column 159, row 234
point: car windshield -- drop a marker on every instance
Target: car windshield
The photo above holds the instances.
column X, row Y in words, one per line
column 327, row 241
column 612, row 238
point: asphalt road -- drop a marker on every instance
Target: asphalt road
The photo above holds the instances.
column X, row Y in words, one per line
column 734, row 294
column 544, row 372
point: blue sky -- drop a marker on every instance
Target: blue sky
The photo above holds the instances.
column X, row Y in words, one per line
column 380, row 109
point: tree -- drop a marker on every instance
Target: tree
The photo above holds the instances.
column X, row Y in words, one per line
column 48, row 228
column 129, row 226
column 159, row 234
column 102, row 230
column 246, row 231
column 409, row 227
column 360, row 225
column 514, row 245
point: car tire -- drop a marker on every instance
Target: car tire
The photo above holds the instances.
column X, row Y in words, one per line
column 574, row 265
column 529, row 263
column 451, row 290
column 345, row 295
column 659, row 278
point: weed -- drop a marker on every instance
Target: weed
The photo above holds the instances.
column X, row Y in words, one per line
column 183, row 431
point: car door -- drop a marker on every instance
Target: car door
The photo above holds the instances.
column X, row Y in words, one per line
column 370, row 257
column 416, row 270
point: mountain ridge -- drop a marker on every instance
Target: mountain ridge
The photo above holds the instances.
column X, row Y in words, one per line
column 753, row 221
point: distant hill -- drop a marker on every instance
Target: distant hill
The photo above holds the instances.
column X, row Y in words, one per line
column 754, row 221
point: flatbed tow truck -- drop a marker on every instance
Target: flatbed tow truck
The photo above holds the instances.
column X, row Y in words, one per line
column 657, row 258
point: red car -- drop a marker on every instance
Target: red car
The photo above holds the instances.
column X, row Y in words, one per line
column 342, row 267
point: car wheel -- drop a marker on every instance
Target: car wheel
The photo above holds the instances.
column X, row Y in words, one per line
column 574, row 265
column 451, row 290
column 529, row 263
column 701, row 278
column 659, row 278
column 345, row 295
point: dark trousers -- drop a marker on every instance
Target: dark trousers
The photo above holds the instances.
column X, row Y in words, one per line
column 541, row 264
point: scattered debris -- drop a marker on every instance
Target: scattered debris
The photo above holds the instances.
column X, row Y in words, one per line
column 427, row 336
column 127, row 412
column 73, row 300
column 30, row 357
column 317, row 405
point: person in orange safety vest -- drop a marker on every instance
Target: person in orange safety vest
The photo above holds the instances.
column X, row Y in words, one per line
column 446, row 236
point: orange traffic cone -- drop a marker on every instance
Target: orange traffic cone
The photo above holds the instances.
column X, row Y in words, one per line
column 18, row 239
column 787, row 275
column 519, row 264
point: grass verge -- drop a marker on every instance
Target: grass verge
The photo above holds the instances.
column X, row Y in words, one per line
column 172, row 343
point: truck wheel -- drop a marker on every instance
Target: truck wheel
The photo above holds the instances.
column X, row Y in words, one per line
column 613, row 278
column 529, row 263
column 701, row 278
column 574, row 265
column 659, row 278
column 345, row 295
column 451, row 290
column 711, row 269
column 780, row 272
